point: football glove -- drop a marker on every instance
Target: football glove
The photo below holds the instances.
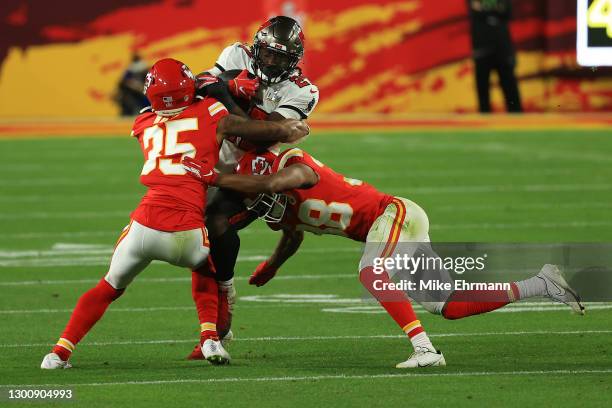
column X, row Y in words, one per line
column 200, row 170
column 262, row 274
column 242, row 86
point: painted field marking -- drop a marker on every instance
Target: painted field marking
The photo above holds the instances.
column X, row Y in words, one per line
column 318, row 338
column 305, row 300
column 322, row 377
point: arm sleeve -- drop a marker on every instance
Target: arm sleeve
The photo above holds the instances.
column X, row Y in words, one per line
column 236, row 56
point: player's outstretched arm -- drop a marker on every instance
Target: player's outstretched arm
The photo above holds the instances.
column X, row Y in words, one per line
column 293, row 176
column 287, row 246
column 285, row 131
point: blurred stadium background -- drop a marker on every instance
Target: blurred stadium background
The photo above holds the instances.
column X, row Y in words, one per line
column 384, row 57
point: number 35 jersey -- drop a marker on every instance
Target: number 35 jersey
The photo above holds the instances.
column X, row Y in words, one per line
column 335, row 205
column 175, row 201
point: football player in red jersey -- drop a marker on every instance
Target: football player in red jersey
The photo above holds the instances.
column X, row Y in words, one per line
column 168, row 224
column 300, row 194
column 274, row 88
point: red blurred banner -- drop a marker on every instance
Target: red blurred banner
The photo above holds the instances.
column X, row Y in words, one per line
column 385, row 56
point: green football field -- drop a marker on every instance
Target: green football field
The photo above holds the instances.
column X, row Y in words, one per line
column 306, row 338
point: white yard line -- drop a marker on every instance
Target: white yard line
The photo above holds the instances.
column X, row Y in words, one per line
column 474, row 189
column 319, row 338
column 434, row 226
column 173, row 279
column 438, row 208
column 522, row 225
column 322, row 377
column 347, row 306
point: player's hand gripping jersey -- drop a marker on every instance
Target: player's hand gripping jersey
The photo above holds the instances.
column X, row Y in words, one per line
column 175, row 201
column 335, row 205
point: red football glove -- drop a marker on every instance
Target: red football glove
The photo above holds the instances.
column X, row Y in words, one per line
column 200, row 170
column 262, row 274
column 242, row 86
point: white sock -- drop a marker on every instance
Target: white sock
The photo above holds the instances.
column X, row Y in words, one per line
column 225, row 285
column 421, row 340
column 531, row 287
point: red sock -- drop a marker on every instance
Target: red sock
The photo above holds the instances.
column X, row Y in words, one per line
column 463, row 303
column 89, row 309
column 395, row 302
column 206, row 297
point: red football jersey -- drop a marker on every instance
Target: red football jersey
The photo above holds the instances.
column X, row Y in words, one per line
column 335, row 205
column 175, row 201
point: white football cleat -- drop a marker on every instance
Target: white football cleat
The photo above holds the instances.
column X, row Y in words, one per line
column 52, row 362
column 557, row 288
column 423, row 357
column 213, row 351
column 226, row 340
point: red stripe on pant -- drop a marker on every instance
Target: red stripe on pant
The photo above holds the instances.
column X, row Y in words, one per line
column 396, row 228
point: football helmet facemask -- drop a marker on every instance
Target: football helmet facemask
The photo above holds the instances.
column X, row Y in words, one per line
column 278, row 47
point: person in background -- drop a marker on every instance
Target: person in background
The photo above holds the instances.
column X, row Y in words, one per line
column 493, row 50
column 130, row 98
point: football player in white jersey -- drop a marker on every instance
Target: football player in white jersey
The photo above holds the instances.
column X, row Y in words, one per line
column 274, row 87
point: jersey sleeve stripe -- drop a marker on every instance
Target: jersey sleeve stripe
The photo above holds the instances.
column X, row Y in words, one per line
column 293, row 108
column 216, row 108
column 295, row 152
column 220, row 67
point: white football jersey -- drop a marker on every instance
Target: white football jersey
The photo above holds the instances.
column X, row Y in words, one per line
column 294, row 98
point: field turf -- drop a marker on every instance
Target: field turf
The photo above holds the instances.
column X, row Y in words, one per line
column 64, row 201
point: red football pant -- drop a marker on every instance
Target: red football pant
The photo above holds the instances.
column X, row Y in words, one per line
column 463, row 303
column 88, row 310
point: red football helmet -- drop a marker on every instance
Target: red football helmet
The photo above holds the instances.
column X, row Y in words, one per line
column 256, row 163
column 268, row 207
column 169, row 86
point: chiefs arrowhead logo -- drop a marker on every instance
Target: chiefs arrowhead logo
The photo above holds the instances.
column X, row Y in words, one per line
column 260, row 166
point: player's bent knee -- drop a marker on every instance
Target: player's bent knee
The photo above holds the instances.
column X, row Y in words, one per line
column 418, row 222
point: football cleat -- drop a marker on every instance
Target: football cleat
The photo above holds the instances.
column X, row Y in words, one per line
column 557, row 288
column 196, row 354
column 214, row 353
column 423, row 357
column 52, row 362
